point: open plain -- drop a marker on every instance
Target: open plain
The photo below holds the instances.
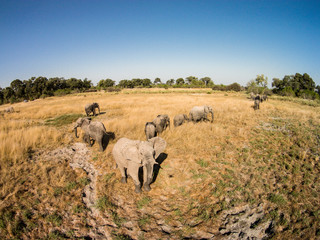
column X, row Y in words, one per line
column 248, row 174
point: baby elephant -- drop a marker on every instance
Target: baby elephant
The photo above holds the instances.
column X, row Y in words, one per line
column 180, row 119
column 94, row 130
column 256, row 105
column 150, row 130
column 131, row 155
column 91, row 108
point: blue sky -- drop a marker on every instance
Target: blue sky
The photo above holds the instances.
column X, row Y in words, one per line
column 227, row 40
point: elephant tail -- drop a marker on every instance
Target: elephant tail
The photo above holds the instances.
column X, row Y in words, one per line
column 75, row 132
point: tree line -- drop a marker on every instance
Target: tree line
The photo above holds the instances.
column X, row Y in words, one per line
column 299, row 85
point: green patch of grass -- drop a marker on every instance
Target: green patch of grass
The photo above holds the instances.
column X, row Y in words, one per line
column 277, row 199
column 144, row 201
column 70, row 186
column 84, row 181
column 143, row 221
column 55, row 219
column 108, row 176
column 63, row 120
column 117, row 219
column 104, row 204
column 203, row 163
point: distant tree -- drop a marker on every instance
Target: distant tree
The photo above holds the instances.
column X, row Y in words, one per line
column 8, row 95
column 180, row 81
column 1, row 96
column 206, row 80
column 126, row 84
column 137, row 82
column 234, row 87
column 170, row 82
column 157, row 81
column 146, row 82
column 295, row 85
column 87, row 83
column 18, row 87
column 104, row 84
column 190, row 79
column 74, row 83
column 262, row 81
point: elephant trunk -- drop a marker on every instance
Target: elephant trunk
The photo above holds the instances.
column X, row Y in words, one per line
column 212, row 116
column 75, row 132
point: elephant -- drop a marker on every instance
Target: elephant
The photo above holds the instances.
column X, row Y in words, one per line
column 9, row 110
column 256, row 105
column 264, row 97
column 94, row 130
column 180, row 119
column 161, row 122
column 150, row 130
column 199, row 113
column 91, row 107
column 133, row 154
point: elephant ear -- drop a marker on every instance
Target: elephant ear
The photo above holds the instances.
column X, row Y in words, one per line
column 159, row 145
column 133, row 154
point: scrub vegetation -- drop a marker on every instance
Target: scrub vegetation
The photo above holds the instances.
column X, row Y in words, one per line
column 268, row 157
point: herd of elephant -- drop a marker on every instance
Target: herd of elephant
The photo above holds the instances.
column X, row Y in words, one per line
column 257, row 100
column 130, row 155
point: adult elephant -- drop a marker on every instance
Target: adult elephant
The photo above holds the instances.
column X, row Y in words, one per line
column 133, row 154
column 94, row 130
column 180, row 119
column 199, row 113
column 91, row 108
column 161, row 122
column 150, row 130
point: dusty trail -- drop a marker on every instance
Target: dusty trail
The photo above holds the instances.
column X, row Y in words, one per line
column 99, row 224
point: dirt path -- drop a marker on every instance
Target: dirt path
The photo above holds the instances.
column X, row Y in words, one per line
column 80, row 159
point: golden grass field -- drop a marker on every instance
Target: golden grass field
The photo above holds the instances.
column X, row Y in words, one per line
column 268, row 156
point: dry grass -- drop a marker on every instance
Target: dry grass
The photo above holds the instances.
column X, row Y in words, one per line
column 245, row 156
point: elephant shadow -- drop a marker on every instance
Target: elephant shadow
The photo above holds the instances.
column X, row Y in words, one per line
column 106, row 139
column 156, row 168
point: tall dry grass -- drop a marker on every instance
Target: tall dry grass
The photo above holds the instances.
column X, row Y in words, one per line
column 200, row 157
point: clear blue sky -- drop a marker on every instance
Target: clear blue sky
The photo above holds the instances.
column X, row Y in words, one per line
column 227, row 40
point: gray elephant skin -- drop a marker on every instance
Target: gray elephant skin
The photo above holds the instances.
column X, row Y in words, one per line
column 91, row 108
column 199, row 113
column 161, row 122
column 150, row 130
column 94, row 130
column 133, row 154
column 179, row 119
column 256, row 105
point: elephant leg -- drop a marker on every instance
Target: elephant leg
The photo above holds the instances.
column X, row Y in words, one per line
column 147, row 176
column 100, row 144
column 123, row 174
column 133, row 171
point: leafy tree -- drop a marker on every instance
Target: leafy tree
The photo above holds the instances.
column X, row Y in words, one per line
column 1, row 96
column 157, row 81
column 262, row 81
column 170, row 82
column 206, row 80
column 190, row 79
column 87, row 83
column 8, row 95
column 18, row 87
column 74, row 83
column 106, row 83
column 137, row 82
column 234, row 87
column 180, row 81
column 146, row 82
